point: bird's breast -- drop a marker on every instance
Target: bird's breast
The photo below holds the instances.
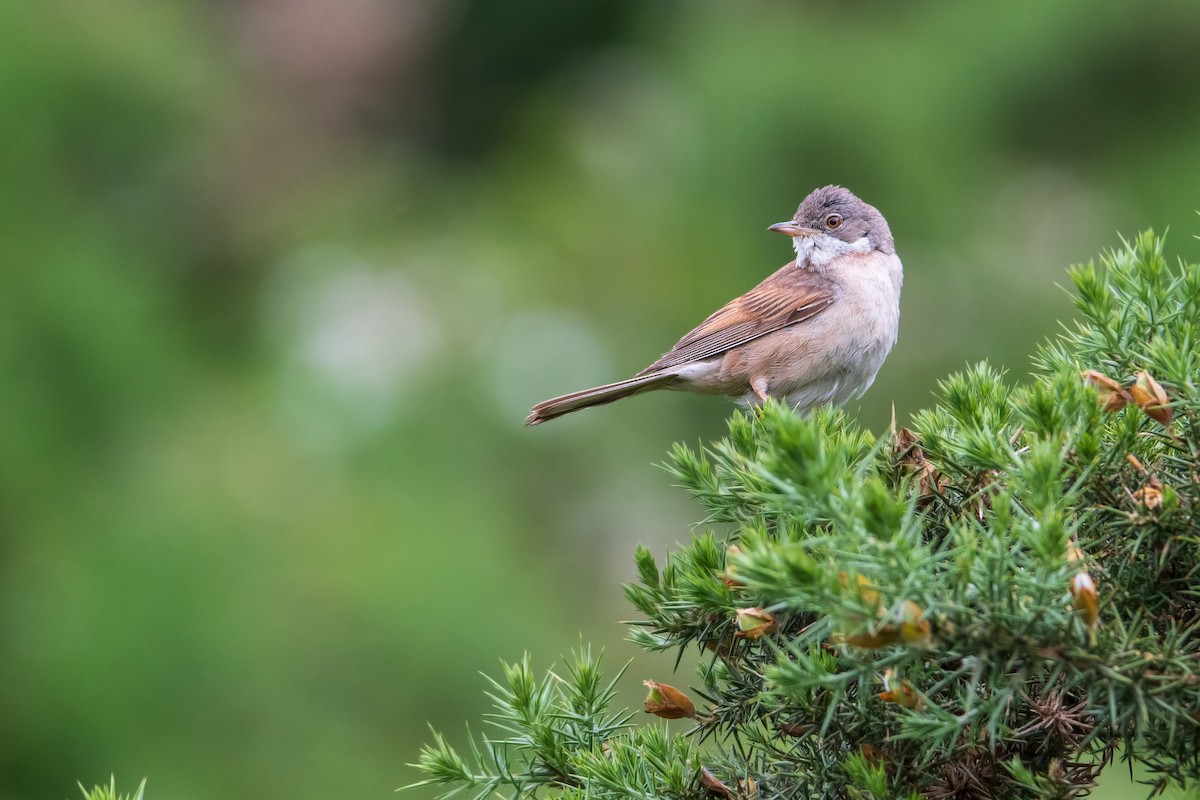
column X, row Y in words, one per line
column 833, row 357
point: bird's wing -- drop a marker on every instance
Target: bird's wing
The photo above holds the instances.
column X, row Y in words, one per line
column 787, row 297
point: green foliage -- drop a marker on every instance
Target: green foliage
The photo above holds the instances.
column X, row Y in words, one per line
column 987, row 606
column 558, row 733
column 192, row 192
column 110, row 792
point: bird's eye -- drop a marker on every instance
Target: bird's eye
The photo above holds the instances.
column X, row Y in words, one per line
column 833, row 221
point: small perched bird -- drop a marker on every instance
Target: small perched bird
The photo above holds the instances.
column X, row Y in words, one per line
column 814, row 332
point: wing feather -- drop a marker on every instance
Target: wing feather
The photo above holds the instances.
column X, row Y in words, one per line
column 789, row 296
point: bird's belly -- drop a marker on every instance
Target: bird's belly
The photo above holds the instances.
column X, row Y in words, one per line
column 797, row 384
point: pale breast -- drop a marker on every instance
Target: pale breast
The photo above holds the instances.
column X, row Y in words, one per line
column 834, row 357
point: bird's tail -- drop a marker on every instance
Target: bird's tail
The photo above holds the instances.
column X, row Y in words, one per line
column 557, row 406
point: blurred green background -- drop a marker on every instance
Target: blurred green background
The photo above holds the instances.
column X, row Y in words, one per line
column 281, row 279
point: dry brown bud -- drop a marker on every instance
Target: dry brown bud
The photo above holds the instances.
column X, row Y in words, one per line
column 795, row 729
column 723, row 647
column 755, row 623
column 1113, row 396
column 930, row 482
column 1150, row 495
column 1151, row 398
column 667, row 702
column 871, row 752
column 710, row 782
column 906, row 440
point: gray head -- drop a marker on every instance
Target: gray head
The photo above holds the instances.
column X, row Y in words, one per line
column 833, row 211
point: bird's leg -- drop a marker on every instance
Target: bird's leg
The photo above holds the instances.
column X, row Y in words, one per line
column 759, row 385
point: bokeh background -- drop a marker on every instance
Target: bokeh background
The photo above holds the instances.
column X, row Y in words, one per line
column 282, row 277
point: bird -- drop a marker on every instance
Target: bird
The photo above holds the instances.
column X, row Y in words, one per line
column 815, row 332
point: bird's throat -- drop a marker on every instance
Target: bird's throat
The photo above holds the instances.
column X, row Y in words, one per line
column 817, row 251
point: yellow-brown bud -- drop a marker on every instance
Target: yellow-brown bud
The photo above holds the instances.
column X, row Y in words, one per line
column 900, row 692
column 1151, row 398
column 912, row 629
column 730, row 578
column 1113, row 396
column 1087, row 599
column 1150, row 495
column 667, row 702
column 755, row 623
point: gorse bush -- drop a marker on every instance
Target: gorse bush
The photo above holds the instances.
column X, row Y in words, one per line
column 109, row 792
column 991, row 604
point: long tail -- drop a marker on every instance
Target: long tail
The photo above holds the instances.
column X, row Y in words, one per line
column 557, row 406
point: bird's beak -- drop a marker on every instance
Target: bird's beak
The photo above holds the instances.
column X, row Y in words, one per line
column 792, row 228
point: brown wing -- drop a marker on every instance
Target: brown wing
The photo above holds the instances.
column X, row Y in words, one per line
column 789, row 296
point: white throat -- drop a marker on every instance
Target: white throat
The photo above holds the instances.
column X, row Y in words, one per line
column 817, row 251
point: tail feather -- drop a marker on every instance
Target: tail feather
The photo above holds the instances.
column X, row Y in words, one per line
column 557, row 406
